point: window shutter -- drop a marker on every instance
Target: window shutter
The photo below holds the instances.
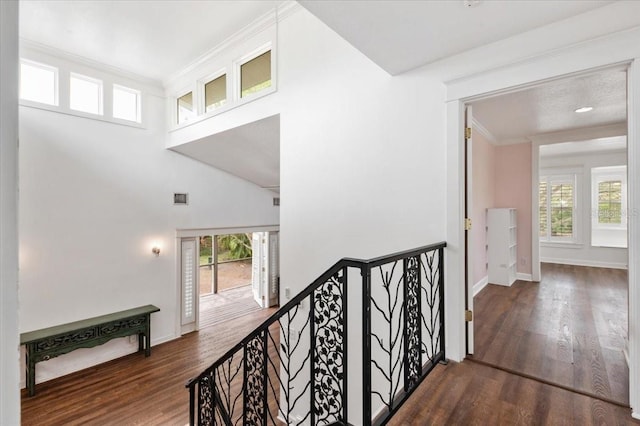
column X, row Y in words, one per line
column 188, row 281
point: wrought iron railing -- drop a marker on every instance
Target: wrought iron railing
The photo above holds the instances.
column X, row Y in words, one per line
column 296, row 368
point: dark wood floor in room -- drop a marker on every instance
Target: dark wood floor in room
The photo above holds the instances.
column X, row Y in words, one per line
column 568, row 329
column 472, row 394
column 135, row 390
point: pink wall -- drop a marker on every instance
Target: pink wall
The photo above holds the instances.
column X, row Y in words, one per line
column 512, row 188
column 483, row 183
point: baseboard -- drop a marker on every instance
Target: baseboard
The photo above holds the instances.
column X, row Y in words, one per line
column 523, row 277
column 477, row 287
column 581, row 262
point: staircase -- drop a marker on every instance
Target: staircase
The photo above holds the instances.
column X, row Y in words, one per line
column 349, row 349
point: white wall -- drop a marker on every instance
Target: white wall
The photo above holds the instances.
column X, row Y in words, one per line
column 94, row 198
column 9, row 373
column 362, row 159
column 582, row 253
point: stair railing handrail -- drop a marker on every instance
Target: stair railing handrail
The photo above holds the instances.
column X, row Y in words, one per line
column 365, row 266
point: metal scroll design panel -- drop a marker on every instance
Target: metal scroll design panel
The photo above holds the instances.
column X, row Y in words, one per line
column 407, row 329
column 290, row 370
column 293, row 369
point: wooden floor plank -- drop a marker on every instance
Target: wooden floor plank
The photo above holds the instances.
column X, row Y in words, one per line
column 569, row 329
column 505, row 399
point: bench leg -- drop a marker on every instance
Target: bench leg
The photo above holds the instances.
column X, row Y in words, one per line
column 147, row 336
column 31, row 374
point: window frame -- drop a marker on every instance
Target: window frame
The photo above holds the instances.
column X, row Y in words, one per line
column 602, row 174
column 554, row 179
column 195, row 103
column 101, row 97
column 237, row 74
column 56, row 82
column 136, row 92
column 202, row 98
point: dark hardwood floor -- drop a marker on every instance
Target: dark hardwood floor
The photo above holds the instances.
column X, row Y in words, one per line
column 135, row 390
column 568, row 329
column 472, row 394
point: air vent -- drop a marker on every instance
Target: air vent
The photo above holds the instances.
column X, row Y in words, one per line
column 276, row 201
column 180, row 198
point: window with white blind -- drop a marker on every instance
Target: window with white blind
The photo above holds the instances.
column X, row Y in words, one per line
column 255, row 74
column 609, row 206
column 215, row 93
column 557, row 208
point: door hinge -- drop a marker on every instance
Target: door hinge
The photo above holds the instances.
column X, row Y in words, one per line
column 467, row 224
column 467, row 132
column 468, row 315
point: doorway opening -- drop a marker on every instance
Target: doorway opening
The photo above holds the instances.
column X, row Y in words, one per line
column 562, row 317
column 226, row 276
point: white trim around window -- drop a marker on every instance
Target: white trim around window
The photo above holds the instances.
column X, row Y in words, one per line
column 552, row 180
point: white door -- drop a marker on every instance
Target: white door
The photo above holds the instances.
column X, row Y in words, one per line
column 257, row 270
column 468, row 204
column 189, row 284
column 273, row 282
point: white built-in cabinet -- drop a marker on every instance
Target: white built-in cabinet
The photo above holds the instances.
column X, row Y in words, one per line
column 502, row 245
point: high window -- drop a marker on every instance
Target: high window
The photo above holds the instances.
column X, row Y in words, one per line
column 38, row 82
column 557, row 208
column 255, row 74
column 85, row 94
column 215, row 93
column 186, row 109
column 609, row 206
column 126, row 103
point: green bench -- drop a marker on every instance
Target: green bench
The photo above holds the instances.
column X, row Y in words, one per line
column 42, row 345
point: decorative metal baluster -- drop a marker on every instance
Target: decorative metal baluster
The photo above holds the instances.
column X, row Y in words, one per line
column 254, row 380
column 365, row 271
column 328, row 357
column 412, row 322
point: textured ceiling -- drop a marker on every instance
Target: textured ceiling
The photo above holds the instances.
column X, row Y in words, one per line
column 154, row 38
column 513, row 117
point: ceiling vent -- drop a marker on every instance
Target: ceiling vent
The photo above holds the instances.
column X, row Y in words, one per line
column 180, row 198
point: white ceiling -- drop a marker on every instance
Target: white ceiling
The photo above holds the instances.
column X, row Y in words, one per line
column 250, row 151
column 154, row 39
column 158, row 38
column 400, row 35
column 514, row 117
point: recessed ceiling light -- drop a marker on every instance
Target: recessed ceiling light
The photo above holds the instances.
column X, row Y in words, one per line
column 584, row 109
column 471, row 3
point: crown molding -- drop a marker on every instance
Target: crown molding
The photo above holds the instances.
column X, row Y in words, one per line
column 483, row 131
column 581, row 134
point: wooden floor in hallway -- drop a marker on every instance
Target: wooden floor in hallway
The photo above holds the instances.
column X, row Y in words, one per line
column 135, row 390
column 569, row 329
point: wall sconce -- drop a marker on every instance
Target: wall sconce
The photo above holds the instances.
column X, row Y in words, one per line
column 156, row 250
